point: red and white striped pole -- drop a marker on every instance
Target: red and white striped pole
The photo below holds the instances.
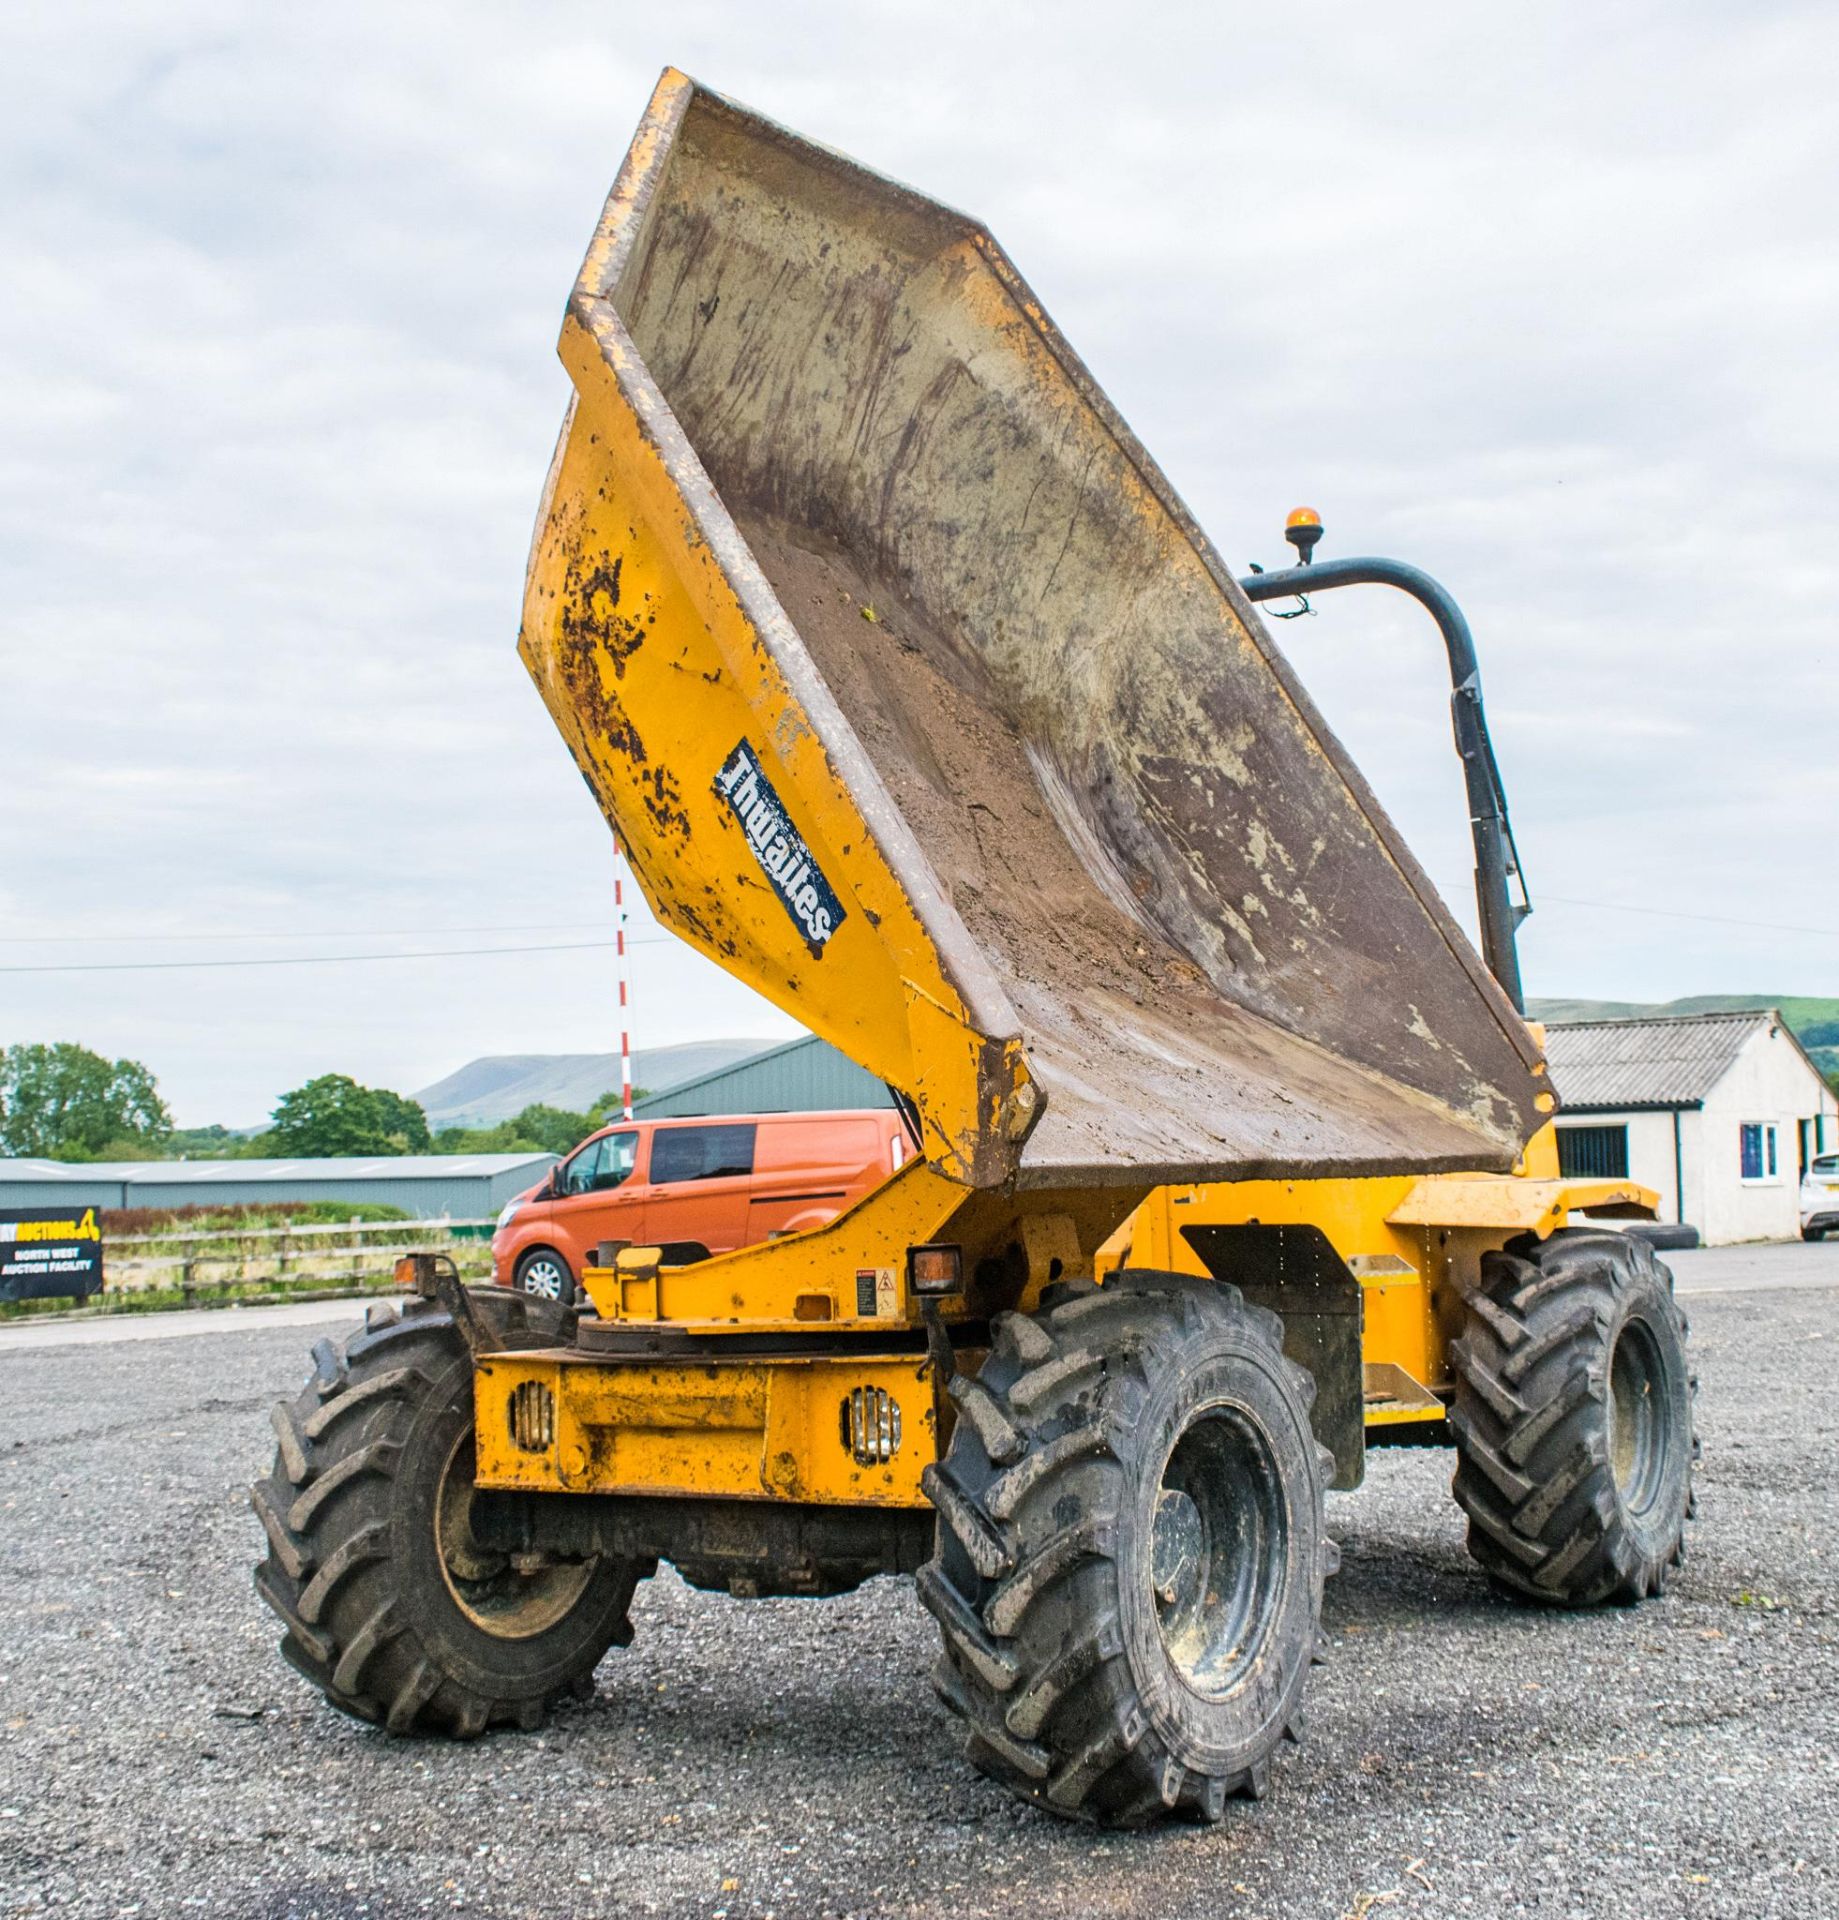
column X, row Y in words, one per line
column 619, row 949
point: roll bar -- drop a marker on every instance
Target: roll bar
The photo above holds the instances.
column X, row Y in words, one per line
column 1497, row 859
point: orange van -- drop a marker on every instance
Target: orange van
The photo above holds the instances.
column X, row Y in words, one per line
column 694, row 1187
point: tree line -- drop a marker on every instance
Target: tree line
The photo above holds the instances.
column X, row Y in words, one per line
column 64, row 1102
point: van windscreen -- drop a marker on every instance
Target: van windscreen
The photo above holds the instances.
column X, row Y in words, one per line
column 701, row 1153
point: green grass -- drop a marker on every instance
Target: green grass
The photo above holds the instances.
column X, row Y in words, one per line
column 1801, row 1011
column 170, row 1299
column 192, row 1223
column 270, row 1291
column 320, row 1269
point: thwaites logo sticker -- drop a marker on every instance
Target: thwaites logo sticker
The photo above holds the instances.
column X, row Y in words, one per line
column 783, row 856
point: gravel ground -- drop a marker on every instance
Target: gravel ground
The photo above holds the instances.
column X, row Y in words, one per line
column 785, row 1757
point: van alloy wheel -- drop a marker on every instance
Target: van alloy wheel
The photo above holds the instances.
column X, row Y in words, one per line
column 545, row 1276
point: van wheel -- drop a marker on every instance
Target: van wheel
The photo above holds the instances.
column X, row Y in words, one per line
column 545, row 1276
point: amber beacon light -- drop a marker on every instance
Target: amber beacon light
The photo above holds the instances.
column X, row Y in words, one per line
column 1303, row 529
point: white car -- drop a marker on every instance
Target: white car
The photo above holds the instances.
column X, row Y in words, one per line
column 1820, row 1197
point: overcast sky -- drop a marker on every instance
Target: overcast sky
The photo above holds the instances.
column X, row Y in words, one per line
column 1542, row 299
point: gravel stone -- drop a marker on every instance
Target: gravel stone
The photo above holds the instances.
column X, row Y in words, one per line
column 1466, row 1756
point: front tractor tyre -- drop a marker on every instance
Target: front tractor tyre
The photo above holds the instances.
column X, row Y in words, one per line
column 1573, row 1419
column 392, row 1607
column 1130, row 1555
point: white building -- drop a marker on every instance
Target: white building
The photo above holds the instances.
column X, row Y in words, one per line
column 1717, row 1112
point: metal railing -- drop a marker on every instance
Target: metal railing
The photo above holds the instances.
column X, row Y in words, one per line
column 287, row 1258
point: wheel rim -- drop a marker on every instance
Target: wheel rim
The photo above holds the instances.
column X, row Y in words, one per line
column 1637, row 1416
column 496, row 1595
column 542, row 1279
column 1219, row 1545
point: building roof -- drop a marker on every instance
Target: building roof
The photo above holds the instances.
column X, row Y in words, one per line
column 1608, row 1065
column 404, row 1166
column 802, row 1076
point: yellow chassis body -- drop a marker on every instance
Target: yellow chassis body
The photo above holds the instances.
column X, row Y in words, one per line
column 781, row 363
column 738, row 1424
column 1413, row 1243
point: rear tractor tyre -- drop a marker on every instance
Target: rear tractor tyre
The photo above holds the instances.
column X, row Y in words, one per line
column 1129, row 1561
column 392, row 1607
column 1573, row 1419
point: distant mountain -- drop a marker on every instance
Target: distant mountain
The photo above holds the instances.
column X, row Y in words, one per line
column 1815, row 1021
column 491, row 1089
column 1800, row 1011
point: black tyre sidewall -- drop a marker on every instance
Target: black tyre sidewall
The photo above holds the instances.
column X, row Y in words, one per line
column 485, row 1663
column 1534, row 1431
column 1053, row 1656
column 1223, row 1736
column 1646, row 1302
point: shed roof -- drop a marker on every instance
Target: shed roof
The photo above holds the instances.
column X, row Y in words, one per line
column 801, row 1076
column 406, row 1166
column 1670, row 1062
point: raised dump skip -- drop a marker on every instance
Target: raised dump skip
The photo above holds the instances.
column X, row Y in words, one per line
column 923, row 705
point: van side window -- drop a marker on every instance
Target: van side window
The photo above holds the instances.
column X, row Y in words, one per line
column 601, row 1164
column 700, row 1153
column 622, row 1150
column 578, row 1175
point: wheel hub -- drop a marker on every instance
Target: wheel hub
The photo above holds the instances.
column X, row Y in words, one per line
column 1176, row 1548
column 1218, row 1550
column 1637, row 1416
column 510, row 1596
column 542, row 1279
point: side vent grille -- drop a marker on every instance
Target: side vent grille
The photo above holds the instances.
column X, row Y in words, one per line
column 871, row 1427
column 533, row 1417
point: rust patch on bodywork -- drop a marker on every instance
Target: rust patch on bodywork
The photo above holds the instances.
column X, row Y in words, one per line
column 1119, row 909
column 593, row 630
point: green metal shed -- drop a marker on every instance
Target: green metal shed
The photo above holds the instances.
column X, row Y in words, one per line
column 803, row 1076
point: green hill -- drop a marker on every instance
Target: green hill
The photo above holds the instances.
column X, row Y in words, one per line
column 488, row 1090
column 1815, row 1021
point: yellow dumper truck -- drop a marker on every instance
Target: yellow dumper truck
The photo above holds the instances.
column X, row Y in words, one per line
column 924, row 707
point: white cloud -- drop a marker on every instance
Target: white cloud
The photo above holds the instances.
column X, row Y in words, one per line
column 1541, row 300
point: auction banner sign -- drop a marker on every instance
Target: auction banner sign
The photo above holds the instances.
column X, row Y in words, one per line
column 50, row 1253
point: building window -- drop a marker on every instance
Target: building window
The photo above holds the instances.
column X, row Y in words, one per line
column 1757, row 1151
column 1593, row 1153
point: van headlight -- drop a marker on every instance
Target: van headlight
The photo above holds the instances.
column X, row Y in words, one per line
column 504, row 1218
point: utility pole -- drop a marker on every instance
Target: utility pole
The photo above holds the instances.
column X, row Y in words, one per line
column 624, row 972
